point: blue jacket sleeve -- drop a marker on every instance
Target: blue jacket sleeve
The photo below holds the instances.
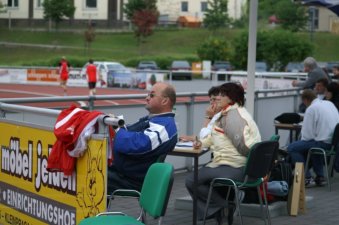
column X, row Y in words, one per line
column 138, row 142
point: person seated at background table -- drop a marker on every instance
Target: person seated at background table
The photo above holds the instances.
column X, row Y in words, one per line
column 232, row 136
column 211, row 114
column 318, row 125
column 332, row 93
column 138, row 146
column 320, row 88
column 314, row 73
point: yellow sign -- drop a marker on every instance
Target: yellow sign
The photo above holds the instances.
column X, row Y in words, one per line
column 30, row 195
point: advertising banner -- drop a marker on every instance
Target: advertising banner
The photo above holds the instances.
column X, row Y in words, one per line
column 46, row 75
column 141, row 80
column 12, row 75
column 51, row 76
column 264, row 83
column 29, row 194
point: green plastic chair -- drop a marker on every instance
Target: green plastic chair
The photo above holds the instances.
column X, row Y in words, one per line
column 153, row 200
column 326, row 153
column 258, row 166
column 275, row 137
column 130, row 193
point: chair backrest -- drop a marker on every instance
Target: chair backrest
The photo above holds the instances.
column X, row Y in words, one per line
column 162, row 158
column 156, row 189
column 275, row 137
column 335, row 137
column 260, row 159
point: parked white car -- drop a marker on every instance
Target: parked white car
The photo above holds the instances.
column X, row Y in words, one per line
column 104, row 69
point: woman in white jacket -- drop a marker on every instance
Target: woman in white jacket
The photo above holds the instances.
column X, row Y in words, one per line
column 232, row 136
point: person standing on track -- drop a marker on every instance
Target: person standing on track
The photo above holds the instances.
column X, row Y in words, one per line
column 64, row 71
column 91, row 72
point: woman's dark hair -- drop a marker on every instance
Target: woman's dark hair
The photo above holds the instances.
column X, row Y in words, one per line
column 213, row 91
column 333, row 87
column 234, row 91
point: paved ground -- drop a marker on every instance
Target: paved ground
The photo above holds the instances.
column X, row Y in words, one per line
column 322, row 210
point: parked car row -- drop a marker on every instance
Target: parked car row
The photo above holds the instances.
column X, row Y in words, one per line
column 182, row 69
column 179, row 68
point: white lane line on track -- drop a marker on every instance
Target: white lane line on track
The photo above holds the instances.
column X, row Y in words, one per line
column 26, row 92
column 111, row 102
column 81, row 103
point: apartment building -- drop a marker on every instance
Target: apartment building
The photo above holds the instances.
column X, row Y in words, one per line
column 196, row 8
column 30, row 12
column 110, row 12
column 323, row 19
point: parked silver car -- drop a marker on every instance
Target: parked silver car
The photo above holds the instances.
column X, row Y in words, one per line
column 147, row 65
column 181, row 68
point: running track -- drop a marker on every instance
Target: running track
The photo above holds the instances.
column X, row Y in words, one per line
column 33, row 91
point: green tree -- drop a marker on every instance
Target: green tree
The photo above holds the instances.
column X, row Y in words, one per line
column 56, row 10
column 292, row 16
column 133, row 6
column 216, row 15
column 144, row 22
column 277, row 48
column 214, row 49
column 144, row 16
column 266, row 8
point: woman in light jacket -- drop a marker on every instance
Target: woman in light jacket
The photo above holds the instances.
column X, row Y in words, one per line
column 232, row 136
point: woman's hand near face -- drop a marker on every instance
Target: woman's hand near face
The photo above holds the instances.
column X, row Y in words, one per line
column 211, row 110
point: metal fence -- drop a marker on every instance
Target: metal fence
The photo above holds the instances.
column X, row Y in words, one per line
column 189, row 114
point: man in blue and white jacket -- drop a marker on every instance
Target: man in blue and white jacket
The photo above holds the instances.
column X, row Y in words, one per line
column 138, row 146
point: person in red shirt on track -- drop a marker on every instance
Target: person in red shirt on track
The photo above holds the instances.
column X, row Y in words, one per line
column 64, row 71
column 91, row 72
